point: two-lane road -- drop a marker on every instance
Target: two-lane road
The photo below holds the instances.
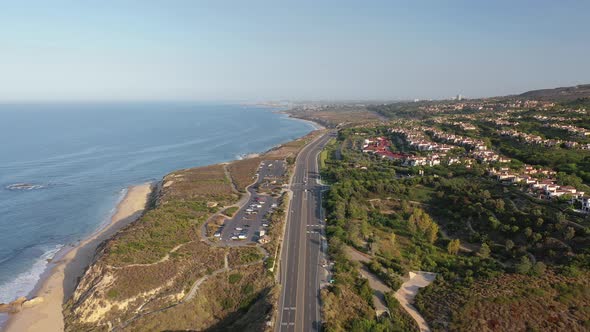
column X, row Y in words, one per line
column 301, row 258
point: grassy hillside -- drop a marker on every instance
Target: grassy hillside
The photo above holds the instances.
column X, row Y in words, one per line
column 159, row 274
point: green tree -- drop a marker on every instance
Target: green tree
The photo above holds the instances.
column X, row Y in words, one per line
column 569, row 233
column 484, row 251
column 509, row 244
column 453, row 246
column 432, row 232
column 539, row 268
column 560, row 217
column 524, row 266
column 500, row 205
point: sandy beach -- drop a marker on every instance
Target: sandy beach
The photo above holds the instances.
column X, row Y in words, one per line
column 61, row 281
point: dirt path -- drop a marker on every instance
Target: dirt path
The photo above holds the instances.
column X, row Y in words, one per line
column 378, row 287
column 194, row 288
column 231, row 180
column 356, row 255
column 193, row 291
column 379, row 290
column 407, row 292
column 242, row 201
column 467, row 247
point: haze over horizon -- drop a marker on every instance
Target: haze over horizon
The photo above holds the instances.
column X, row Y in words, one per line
column 262, row 50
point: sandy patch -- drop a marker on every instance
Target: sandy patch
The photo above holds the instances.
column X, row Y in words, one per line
column 408, row 291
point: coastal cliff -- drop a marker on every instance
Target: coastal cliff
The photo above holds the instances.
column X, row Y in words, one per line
column 160, row 273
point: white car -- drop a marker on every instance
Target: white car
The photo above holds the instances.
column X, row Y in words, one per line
column 265, row 225
column 217, row 234
column 234, row 237
column 242, row 237
column 238, row 228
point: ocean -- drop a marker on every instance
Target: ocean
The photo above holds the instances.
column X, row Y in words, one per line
column 64, row 167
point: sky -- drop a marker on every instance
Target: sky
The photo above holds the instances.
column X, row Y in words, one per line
column 252, row 50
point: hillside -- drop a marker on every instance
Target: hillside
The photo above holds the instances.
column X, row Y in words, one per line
column 559, row 94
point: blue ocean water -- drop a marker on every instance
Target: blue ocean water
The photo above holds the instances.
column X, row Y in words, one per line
column 64, row 167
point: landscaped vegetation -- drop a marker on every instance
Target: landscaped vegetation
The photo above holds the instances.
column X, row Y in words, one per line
column 492, row 245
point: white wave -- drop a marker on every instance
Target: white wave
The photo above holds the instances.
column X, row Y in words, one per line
column 107, row 219
column 24, row 283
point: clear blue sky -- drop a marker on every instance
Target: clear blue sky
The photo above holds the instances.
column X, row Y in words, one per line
column 260, row 50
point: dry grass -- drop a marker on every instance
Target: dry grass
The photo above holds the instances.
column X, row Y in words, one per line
column 243, row 255
column 290, row 149
column 337, row 309
column 512, row 302
column 180, row 266
column 151, row 237
column 202, row 182
column 219, row 304
column 243, row 172
column 335, row 115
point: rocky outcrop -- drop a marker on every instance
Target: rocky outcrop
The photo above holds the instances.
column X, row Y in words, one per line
column 18, row 304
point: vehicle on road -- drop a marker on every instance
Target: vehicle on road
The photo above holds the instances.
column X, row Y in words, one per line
column 238, row 228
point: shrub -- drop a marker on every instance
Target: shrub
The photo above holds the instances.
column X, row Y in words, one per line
column 234, row 277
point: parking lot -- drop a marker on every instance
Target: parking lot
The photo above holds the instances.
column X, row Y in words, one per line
column 251, row 222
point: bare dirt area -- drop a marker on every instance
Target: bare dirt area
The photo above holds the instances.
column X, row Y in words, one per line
column 378, row 287
column 408, row 291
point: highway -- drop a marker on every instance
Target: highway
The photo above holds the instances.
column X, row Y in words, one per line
column 301, row 271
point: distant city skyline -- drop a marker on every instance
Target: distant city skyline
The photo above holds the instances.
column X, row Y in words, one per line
column 292, row 50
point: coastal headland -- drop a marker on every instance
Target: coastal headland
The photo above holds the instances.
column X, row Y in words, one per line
column 148, row 267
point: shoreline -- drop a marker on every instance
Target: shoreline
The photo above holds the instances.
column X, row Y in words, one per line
column 315, row 125
column 59, row 280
